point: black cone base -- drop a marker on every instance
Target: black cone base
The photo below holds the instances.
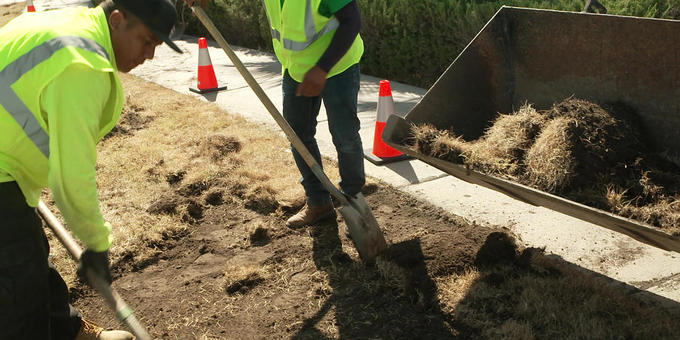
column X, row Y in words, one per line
column 214, row 89
column 368, row 154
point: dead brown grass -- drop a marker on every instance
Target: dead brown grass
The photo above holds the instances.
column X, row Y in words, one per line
column 449, row 147
column 423, row 138
column 9, row 12
column 557, row 300
column 240, row 279
column 550, row 164
column 665, row 212
column 506, row 141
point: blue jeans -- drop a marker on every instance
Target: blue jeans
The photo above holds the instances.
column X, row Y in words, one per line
column 340, row 99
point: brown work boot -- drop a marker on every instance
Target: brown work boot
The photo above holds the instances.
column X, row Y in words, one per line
column 90, row 331
column 310, row 214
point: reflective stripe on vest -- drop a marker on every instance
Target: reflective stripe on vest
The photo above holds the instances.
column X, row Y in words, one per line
column 22, row 65
column 310, row 30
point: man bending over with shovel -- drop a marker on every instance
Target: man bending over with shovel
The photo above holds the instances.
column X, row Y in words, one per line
column 319, row 47
column 59, row 95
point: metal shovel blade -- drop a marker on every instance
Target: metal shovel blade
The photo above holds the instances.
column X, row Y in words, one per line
column 363, row 228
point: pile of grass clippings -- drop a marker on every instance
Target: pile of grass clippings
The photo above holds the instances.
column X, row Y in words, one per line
column 589, row 153
column 550, row 162
column 506, row 142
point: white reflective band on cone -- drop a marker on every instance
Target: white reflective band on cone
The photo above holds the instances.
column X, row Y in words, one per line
column 385, row 108
column 204, row 57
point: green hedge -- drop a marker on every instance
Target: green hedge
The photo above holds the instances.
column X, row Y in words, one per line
column 242, row 22
column 410, row 41
column 415, row 41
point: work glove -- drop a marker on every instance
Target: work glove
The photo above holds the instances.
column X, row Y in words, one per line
column 97, row 262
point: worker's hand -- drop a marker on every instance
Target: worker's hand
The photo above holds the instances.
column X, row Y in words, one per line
column 203, row 3
column 313, row 83
column 97, row 262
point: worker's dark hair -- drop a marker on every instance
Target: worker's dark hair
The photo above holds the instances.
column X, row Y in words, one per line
column 109, row 6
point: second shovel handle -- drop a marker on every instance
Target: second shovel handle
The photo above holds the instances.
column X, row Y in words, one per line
column 123, row 311
column 273, row 111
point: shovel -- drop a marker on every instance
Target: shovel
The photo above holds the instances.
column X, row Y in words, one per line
column 123, row 312
column 363, row 227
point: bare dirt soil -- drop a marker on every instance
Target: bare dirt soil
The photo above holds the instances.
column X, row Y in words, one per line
column 243, row 274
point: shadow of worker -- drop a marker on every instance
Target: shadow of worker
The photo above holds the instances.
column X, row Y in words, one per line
column 395, row 299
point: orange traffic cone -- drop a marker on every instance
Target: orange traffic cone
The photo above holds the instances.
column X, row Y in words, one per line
column 383, row 153
column 206, row 74
column 29, row 6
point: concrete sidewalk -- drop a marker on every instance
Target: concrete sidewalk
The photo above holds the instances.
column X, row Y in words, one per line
column 586, row 245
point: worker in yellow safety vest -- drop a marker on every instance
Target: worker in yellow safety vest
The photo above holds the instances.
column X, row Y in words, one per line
column 59, row 95
column 319, row 47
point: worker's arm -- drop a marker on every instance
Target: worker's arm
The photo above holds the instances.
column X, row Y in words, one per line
column 350, row 25
column 73, row 103
column 349, row 19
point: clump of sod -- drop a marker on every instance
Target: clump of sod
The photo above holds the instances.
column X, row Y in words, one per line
column 504, row 144
column 550, row 162
column 423, row 137
column 450, row 147
column 603, row 139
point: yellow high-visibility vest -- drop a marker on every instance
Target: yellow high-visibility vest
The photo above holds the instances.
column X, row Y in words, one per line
column 301, row 35
column 35, row 48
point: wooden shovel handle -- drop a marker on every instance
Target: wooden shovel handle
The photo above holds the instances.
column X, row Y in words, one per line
column 273, row 111
column 115, row 301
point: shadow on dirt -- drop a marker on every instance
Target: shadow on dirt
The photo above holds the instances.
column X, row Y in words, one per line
column 516, row 294
column 529, row 295
column 366, row 307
